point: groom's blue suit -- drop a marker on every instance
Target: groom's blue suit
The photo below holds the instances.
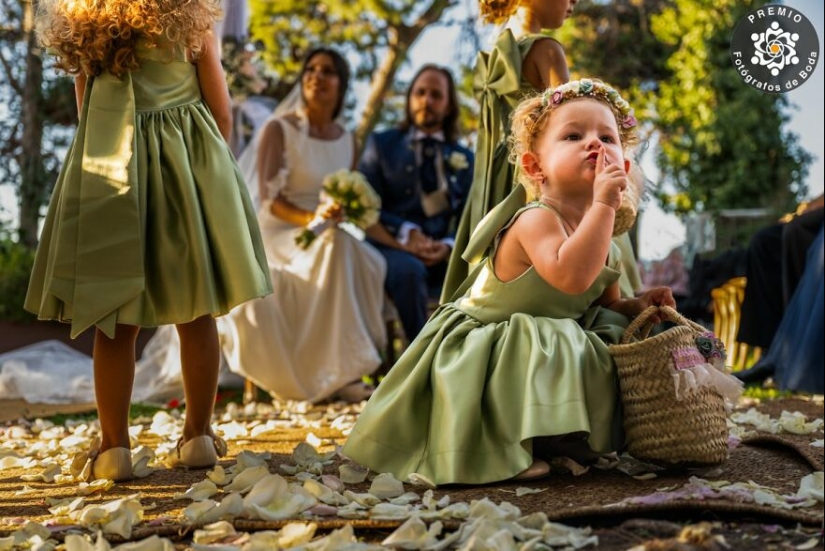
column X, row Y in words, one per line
column 391, row 165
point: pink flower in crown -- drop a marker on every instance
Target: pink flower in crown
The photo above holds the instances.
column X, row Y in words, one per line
column 558, row 96
column 629, row 121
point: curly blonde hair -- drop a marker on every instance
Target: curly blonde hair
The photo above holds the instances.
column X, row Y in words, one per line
column 497, row 11
column 93, row 36
column 529, row 119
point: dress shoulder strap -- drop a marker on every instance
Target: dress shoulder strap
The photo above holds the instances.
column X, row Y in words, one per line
column 526, row 41
column 529, row 206
column 557, row 213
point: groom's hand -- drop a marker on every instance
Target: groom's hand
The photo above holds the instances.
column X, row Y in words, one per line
column 437, row 252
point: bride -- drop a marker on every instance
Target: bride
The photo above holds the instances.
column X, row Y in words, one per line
column 320, row 331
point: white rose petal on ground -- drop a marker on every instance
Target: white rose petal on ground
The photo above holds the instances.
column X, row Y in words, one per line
column 100, row 485
column 417, row 479
column 244, row 481
column 810, row 544
column 523, row 491
column 363, row 499
column 352, row 474
column 386, row 486
column 812, row 487
column 25, row 491
column 406, row 499
column 414, row 534
column 50, row 470
column 388, row 511
column 218, row 476
column 215, row 532
column 199, row 491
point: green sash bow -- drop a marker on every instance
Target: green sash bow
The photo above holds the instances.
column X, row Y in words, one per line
column 95, row 269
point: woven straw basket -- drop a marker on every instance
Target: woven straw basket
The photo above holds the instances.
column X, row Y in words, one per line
column 660, row 428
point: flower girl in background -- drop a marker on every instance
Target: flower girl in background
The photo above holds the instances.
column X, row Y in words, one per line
column 524, row 61
column 150, row 222
column 519, row 365
column 321, row 330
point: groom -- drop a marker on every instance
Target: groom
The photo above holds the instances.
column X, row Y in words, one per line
column 423, row 176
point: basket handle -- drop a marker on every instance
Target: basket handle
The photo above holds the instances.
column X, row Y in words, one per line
column 643, row 325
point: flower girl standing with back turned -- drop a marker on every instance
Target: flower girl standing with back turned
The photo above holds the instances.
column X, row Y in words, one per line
column 150, row 222
column 517, row 370
column 524, row 61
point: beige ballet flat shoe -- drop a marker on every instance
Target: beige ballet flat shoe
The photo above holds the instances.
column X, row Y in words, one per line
column 200, row 452
column 114, row 464
column 539, row 469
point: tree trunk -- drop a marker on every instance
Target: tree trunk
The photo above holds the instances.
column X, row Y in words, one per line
column 32, row 171
column 381, row 82
column 402, row 38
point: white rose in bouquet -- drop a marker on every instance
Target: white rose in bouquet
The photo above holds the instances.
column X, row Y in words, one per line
column 360, row 204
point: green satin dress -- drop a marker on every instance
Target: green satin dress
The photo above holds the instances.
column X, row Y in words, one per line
column 150, row 222
column 504, row 364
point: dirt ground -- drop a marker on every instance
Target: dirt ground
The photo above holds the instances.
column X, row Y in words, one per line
column 689, row 528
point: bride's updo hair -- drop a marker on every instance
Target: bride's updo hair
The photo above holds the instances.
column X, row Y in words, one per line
column 92, row 36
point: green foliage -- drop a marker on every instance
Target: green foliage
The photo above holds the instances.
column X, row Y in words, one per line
column 16, row 262
column 288, row 29
column 366, row 32
column 722, row 144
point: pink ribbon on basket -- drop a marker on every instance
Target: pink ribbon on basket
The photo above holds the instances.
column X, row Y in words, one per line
column 693, row 371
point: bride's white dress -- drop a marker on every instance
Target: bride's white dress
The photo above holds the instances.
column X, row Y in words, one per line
column 322, row 327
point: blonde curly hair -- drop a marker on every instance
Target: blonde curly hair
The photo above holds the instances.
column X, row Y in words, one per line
column 497, row 11
column 92, row 36
column 529, row 119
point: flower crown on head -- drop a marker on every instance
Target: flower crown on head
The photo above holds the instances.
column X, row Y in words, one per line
column 596, row 89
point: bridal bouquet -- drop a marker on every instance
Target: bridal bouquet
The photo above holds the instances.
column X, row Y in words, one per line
column 349, row 190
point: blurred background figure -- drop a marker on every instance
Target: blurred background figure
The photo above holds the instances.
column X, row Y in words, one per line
column 423, row 176
column 668, row 272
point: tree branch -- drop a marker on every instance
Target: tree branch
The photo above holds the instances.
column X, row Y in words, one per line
column 14, row 83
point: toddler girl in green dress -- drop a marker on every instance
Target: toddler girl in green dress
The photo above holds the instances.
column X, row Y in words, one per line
column 518, row 368
column 150, row 222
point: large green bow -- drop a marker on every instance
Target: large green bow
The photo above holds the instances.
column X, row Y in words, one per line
column 497, row 78
column 98, row 254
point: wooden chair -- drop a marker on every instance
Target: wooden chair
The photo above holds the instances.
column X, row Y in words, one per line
column 727, row 315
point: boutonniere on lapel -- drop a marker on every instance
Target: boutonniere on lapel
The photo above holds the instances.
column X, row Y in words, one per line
column 457, row 161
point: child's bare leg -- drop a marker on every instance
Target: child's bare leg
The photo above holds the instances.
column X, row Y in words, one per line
column 114, row 374
column 200, row 361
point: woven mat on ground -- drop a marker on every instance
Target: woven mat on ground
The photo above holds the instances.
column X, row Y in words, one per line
column 801, row 443
column 593, row 498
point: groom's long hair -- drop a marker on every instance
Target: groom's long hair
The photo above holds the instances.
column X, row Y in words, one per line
column 449, row 125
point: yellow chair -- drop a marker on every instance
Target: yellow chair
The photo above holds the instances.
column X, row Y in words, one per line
column 727, row 315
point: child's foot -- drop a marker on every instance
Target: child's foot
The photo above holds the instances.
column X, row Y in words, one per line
column 200, row 451
column 114, row 464
column 355, row 393
column 539, row 469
